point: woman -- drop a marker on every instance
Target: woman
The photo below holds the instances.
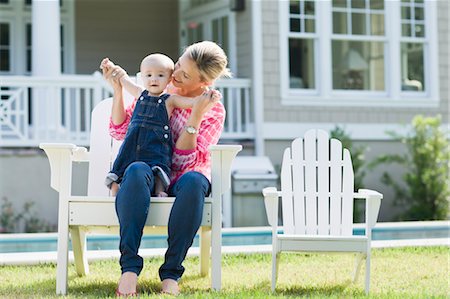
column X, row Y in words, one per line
column 193, row 131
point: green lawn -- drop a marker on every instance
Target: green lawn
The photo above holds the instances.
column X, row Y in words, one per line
column 396, row 273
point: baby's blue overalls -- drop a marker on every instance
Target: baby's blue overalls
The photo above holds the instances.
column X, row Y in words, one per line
column 148, row 139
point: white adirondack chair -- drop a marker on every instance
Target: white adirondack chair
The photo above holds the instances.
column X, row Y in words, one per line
column 95, row 213
column 317, row 184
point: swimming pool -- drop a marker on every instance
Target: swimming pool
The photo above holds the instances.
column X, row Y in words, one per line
column 230, row 237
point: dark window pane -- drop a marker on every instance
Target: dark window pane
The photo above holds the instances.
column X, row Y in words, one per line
column 359, row 23
column 309, row 8
column 376, row 4
column 4, row 34
column 28, row 54
column 406, row 30
column 339, row 3
column 295, row 25
column 4, row 60
column 340, row 22
column 301, row 63
column 420, row 30
column 4, row 1
column 413, row 76
column 418, row 13
column 28, row 35
column 294, row 7
column 406, row 13
column 358, row 3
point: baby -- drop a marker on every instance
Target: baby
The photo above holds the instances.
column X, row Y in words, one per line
column 148, row 138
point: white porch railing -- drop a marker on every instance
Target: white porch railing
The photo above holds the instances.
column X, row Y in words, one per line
column 58, row 109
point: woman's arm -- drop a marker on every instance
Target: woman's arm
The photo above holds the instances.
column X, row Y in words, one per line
column 201, row 106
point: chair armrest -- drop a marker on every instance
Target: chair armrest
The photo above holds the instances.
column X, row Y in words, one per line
column 222, row 157
column 60, row 159
column 271, row 203
column 373, row 203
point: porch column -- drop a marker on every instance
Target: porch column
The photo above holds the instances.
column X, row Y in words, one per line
column 46, row 40
column 257, row 75
column 46, row 62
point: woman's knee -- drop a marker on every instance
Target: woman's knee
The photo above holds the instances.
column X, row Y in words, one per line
column 194, row 182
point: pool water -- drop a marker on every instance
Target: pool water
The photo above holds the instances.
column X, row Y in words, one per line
column 230, row 237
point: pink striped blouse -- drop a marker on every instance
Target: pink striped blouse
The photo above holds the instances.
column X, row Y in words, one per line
column 197, row 159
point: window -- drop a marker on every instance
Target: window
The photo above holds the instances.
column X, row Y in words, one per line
column 357, row 51
column 5, row 47
column 412, row 45
column 302, row 44
column 370, row 52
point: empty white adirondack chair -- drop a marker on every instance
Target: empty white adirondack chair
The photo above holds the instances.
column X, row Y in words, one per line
column 95, row 213
column 317, row 202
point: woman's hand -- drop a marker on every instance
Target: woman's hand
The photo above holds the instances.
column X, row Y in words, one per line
column 204, row 103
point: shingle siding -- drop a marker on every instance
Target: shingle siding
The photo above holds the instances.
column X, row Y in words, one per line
column 125, row 31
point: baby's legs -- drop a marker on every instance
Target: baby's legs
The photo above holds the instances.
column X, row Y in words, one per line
column 159, row 188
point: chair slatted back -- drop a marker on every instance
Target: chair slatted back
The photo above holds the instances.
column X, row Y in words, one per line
column 317, row 184
column 103, row 148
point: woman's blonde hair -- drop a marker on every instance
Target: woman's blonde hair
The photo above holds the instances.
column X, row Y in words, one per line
column 210, row 59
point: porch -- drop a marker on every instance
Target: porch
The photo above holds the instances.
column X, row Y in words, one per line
column 36, row 109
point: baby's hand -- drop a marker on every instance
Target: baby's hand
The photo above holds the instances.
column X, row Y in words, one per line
column 106, row 64
column 161, row 194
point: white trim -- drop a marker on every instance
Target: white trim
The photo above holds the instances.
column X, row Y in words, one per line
column 392, row 96
column 357, row 131
column 257, row 75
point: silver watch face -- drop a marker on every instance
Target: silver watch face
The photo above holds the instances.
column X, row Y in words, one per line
column 191, row 130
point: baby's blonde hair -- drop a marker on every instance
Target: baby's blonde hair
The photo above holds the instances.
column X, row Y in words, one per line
column 210, row 59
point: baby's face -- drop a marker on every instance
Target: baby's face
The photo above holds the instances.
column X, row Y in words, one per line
column 155, row 77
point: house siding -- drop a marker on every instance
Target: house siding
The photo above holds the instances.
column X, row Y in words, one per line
column 275, row 111
column 243, row 43
column 125, row 31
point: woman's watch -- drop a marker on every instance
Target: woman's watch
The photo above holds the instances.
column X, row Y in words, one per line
column 191, row 129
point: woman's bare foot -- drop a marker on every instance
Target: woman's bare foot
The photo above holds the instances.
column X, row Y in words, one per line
column 127, row 285
column 170, row 286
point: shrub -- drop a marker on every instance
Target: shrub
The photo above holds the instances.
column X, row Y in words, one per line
column 11, row 221
column 426, row 163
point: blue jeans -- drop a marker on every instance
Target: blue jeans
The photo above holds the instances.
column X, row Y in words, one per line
column 132, row 206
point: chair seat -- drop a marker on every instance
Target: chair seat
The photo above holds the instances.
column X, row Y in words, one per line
column 84, row 211
column 323, row 243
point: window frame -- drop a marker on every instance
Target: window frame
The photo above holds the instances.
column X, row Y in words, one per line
column 324, row 94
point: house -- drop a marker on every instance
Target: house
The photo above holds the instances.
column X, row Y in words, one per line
column 368, row 66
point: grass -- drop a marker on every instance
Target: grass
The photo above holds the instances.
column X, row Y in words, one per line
column 416, row 272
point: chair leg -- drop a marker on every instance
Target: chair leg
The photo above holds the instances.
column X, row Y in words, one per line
column 358, row 263
column 275, row 267
column 63, row 249
column 205, row 250
column 367, row 273
column 79, row 250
